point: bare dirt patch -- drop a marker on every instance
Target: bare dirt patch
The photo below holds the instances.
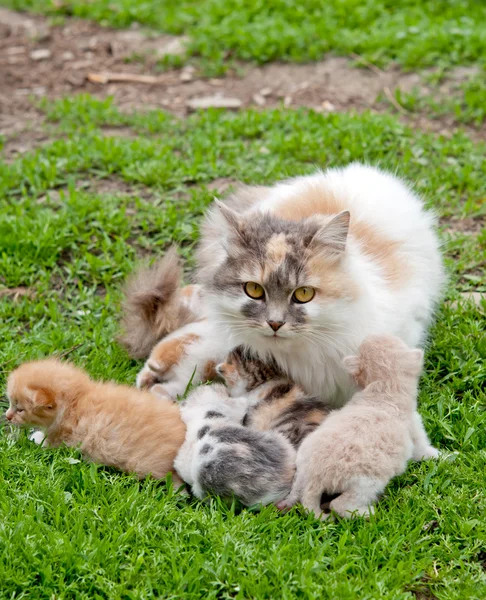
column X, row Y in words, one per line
column 468, row 225
column 38, row 60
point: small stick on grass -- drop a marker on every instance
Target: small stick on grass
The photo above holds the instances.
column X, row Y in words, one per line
column 394, row 101
column 367, row 63
column 69, row 350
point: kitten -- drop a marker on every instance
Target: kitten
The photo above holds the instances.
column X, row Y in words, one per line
column 275, row 402
column 225, row 458
column 359, row 448
column 114, row 425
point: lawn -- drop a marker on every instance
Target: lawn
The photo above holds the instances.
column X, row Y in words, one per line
column 80, row 212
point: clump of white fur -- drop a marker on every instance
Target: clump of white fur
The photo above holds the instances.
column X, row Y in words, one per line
column 359, row 448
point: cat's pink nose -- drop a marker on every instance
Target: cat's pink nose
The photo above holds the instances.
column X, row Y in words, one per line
column 9, row 414
column 275, row 325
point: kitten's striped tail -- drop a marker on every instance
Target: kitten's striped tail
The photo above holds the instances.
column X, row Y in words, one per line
column 155, row 305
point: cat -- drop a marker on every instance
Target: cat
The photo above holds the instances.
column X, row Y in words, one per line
column 275, row 402
column 223, row 457
column 359, row 448
column 305, row 270
column 112, row 424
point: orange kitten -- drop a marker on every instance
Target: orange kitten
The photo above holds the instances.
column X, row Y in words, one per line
column 114, row 425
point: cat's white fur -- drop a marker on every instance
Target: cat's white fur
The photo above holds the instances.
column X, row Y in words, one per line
column 386, row 203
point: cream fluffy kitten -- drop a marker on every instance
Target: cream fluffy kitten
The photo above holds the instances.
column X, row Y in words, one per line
column 114, row 425
column 223, row 457
column 359, row 448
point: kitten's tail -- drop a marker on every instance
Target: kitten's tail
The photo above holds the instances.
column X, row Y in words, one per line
column 154, row 305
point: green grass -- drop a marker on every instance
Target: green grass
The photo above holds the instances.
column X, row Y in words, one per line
column 411, row 32
column 466, row 101
column 73, row 530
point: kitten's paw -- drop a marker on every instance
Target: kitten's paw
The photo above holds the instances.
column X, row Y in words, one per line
column 146, row 378
column 428, row 453
column 38, row 437
column 286, row 504
column 431, row 452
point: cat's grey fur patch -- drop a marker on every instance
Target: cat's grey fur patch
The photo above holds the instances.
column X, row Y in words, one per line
column 247, row 466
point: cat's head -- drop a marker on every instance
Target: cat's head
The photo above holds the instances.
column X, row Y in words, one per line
column 212, row 402
column 276, row 281
column 384, row 358
column 243, row 371
column 35, row 391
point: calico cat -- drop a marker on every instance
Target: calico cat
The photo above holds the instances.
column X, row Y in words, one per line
column 114, row 425
column 359, row 448
column 275, row 402
column 303, row 271
column 223, row 457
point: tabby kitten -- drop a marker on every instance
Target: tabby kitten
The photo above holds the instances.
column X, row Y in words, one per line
column 223, row 457
column 275, row 402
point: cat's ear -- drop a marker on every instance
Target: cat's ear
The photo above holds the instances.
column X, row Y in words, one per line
column 230, row 216
column 351, row 364
column 332, row 236
column 42, row 397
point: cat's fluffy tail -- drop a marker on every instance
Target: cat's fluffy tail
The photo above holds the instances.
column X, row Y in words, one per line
column 153, row 305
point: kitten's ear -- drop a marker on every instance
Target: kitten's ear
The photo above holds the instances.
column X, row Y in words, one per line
column 351, row 364
column 415, row 361
column 230, row 215
column 43, row 397
column 334, row 234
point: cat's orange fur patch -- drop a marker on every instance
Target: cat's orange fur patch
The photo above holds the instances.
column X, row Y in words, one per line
column 313, row 201
column 189, row 290
column 333, row 283
column 209, row 371
column 168, row 353
column 316, row 201
column 383, row 250
column 277, row 249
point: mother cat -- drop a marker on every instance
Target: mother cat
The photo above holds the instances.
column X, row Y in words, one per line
column 306, row 269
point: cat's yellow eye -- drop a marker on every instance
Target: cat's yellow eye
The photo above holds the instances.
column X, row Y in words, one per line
column 303, row 294
column 254, row 290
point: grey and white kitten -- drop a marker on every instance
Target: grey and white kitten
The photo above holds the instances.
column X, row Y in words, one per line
column 223, row 457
